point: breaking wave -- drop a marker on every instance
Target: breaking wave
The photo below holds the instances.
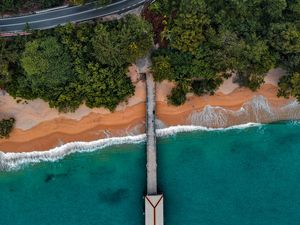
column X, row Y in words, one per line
column 252, row 113
column 258, row 110
column 13, row 161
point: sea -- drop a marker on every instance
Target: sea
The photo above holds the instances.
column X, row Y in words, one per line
column 243, row 175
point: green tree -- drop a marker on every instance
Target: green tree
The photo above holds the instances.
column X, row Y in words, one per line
column 105, row 87
column 6, row 126
column 273, row 8
column 178, row 95
column 205, row 86
column 123, row 43
column 188, row 28
column 209, row 40
column 290, row 86
column 256, row 60
column 285, row 37
column 8, row 56
column 47, row 67
column 292, row 11
column 66, row 68
column 187, row 32
column 291, row 62
column 161, row 68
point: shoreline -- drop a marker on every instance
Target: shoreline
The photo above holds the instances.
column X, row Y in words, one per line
column 15, row 160
column 130, row 121
column 39, row 128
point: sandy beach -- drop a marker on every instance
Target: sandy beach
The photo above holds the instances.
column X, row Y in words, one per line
column 40, row 128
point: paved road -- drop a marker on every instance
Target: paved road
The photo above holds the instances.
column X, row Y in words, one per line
column 46, row 20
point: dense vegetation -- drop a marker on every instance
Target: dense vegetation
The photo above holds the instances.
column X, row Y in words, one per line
column 15, row 6
column 206, row 40
column 6, row 126
column 71, row 65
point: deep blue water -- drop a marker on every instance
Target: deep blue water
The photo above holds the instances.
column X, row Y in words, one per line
column 236, row 177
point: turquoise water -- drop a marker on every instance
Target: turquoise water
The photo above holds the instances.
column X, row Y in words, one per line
column 235, row 177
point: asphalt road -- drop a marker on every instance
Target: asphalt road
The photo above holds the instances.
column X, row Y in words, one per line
column 46, row 20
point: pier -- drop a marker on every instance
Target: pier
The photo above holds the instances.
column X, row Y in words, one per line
column 153, row 201
column 151, row 137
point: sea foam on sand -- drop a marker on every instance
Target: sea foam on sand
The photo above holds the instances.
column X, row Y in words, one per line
column 13, row 161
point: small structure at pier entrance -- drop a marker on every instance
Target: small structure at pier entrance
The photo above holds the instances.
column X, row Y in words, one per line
column 154, row 209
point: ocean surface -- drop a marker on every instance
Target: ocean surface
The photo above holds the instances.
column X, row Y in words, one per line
column 248, row 176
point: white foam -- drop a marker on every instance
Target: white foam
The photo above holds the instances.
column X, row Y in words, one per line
column 210, row 116
column 260, row 108
column 13, row 161
column 190, row 128
column 256, row 110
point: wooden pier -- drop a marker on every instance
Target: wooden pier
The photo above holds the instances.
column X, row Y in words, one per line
column 153, row 202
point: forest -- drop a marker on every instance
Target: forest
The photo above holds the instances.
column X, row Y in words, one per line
column 75, row 64
column 203, row 42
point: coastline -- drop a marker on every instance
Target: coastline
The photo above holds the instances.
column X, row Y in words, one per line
column 230, row 106
column 15, row 160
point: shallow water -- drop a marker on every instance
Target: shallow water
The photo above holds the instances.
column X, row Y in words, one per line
column 241, row 176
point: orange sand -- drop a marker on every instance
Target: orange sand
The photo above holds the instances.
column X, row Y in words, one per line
column 172, row 115
column 95, row 124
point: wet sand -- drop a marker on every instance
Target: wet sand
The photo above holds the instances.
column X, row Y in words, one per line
column 41, row 128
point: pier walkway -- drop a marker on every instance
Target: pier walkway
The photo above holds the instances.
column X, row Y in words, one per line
column 154, row 214
column 151, row 137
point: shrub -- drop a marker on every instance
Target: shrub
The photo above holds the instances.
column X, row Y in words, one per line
column 178, row 95
column 207, row 86
column 6, row 126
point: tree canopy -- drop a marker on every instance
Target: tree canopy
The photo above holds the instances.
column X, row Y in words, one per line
column 75, row 64
column 6, row 126
column 122, row 43
column 208, row 40
column 47, row 67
